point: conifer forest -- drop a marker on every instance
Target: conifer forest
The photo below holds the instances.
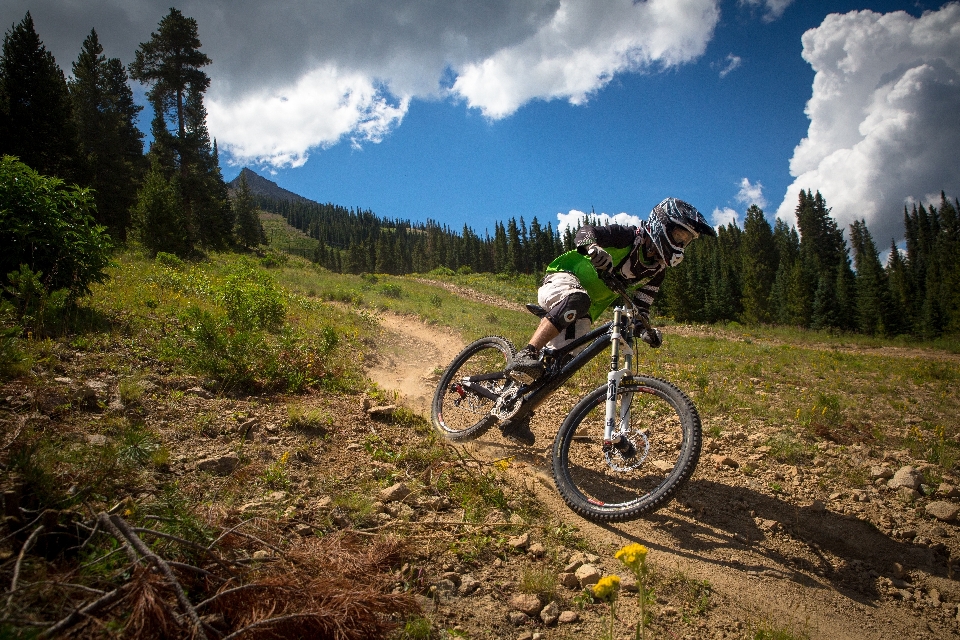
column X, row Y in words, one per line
column 82, row 130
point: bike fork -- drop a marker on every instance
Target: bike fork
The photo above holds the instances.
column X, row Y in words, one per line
column 614, row 420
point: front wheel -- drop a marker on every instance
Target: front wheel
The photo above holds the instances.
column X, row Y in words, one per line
column 657, row 441
column 470, row 387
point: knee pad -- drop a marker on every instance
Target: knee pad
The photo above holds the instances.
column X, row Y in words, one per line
column 564, row 313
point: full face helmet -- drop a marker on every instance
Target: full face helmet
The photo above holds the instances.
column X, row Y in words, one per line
column 672, row 225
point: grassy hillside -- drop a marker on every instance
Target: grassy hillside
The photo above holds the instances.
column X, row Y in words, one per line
column 219, row 405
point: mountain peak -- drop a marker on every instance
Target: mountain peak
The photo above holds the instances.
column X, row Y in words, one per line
column 263, row 187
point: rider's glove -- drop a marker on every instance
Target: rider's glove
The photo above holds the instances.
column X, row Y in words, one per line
column 640, row 324
column 599, row 258
column 652, row 337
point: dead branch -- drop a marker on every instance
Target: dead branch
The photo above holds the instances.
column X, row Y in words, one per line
column 193, row 569
column 16, row 568
column 21, row 529
column 79, row 614
column 232, row 591
column 96, row 528
column 124, row 530
column 188, row 543
column 269, row 621
column 111, row 527
column 226, row 533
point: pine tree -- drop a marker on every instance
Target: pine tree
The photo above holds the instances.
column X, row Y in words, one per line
column 111, row 146
column 873, row 303
column 786, row 243
column 158, row 216
column 514, row 260
column 947, row 252
column 901, row 294
column 36, row 120
column 758, row 266
column 249, row 229
column 170, row 63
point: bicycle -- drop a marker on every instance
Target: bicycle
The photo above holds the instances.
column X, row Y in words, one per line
column 623, row 450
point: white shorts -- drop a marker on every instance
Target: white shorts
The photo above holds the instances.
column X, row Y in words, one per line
column 556, row 287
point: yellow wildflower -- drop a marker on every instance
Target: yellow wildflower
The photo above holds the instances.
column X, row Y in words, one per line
column 632, row 555
column 606, row 587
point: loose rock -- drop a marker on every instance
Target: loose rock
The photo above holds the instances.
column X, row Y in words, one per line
column 943, row 510
column 395, row 493
column 528, row 603
column 588, row 575
column 519, row 542
column 568, row 617
column 550, row 613
column 906, row 477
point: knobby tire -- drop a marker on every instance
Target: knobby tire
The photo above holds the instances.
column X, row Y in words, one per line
column 458, row 414
column 588, row 484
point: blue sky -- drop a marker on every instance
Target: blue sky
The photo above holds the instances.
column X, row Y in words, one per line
column 467, row 112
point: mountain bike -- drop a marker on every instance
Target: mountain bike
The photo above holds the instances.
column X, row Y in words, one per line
column 625, row 448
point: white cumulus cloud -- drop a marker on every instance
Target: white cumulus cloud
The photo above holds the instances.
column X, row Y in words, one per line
column 751, row 194
column 581, row 48
column 574, row 218
column 289, row 76
column 883, row 116
column 280, row 127
column 723, row 217
column 772, row 9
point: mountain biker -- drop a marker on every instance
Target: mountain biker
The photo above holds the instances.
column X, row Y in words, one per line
column 573, row 292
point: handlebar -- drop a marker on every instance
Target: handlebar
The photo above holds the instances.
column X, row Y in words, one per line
column 616, row 284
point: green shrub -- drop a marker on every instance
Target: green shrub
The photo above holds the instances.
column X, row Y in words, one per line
column 12, row 358
column 169, row 260
column 36, row 310
column 391, row 290
column 253, row 300
column 47, row 226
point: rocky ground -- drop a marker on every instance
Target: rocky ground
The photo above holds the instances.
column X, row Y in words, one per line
column 750, row 545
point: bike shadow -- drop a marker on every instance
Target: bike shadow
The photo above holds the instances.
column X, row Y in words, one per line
column 712, row 522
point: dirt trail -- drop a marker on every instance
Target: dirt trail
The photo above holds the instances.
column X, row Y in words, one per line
column 827, row 571
column 409, row 357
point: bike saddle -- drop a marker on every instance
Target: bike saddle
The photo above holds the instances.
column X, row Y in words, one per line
column 536, row 310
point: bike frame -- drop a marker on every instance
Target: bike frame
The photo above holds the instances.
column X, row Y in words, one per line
column 532, row 396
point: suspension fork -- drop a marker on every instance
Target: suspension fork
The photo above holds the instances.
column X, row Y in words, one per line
column 615, row 420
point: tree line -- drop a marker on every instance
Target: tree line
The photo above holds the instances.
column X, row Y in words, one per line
column 810, row 276
column 358, row 241
column 83, row 130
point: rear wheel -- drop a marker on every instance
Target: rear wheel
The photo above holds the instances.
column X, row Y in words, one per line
column 470, row 387
column 656, row 451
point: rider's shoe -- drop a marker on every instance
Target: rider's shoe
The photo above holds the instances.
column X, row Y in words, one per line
column 519, row 431
column 526, row 366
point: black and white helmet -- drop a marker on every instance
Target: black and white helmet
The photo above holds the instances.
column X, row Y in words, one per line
column 672, row 225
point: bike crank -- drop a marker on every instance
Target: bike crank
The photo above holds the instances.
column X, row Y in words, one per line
column 507, row 405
